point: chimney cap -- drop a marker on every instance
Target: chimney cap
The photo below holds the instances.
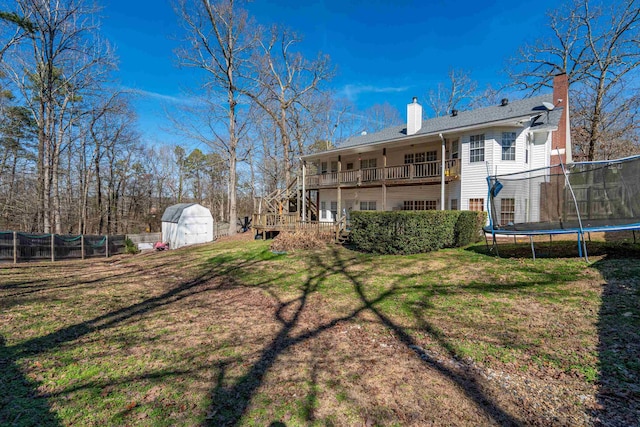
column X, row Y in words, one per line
column 504, row 102
column 415, row 99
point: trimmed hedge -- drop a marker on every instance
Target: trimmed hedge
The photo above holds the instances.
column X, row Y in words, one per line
column 411, row 232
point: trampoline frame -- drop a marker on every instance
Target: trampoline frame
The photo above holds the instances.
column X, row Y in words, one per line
column 580, row 231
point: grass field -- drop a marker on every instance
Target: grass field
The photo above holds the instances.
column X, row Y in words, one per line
column 232, row 334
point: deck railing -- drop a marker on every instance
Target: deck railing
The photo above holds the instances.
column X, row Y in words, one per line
column 290, row 222
column 350, row 176
column 406, row 172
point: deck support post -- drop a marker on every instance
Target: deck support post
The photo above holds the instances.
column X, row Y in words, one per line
column 298, row 203
column 304, row 192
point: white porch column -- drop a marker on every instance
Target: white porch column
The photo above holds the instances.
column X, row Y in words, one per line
column 339, row 214
column 442, row 180
column 384, row 177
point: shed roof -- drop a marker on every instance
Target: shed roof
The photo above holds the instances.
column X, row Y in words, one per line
column 173, row 213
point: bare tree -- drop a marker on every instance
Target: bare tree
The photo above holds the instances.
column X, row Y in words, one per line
column 63, row 61
column 219, row 39
column 381, row 116
column 284, row 83
column 596, row 44
column 459, row 92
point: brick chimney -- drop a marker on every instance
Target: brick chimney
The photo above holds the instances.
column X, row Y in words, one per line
column 561, row 139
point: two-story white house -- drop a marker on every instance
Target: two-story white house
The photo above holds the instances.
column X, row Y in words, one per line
column 439, row 163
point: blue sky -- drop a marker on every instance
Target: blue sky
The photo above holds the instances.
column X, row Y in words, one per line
column 384, row 51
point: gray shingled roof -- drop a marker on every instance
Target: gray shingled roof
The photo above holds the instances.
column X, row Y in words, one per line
column 173, row 213
column 515, row 109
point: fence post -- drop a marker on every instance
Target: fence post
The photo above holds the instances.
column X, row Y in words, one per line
column 106, row 245
column 82, row 245
column 53, row 247
column 15, row 247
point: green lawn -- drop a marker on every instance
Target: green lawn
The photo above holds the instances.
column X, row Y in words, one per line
column 232, row 334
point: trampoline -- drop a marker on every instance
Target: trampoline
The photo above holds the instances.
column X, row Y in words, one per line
column 578, row 198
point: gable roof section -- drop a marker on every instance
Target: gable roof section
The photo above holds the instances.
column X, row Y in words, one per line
column 173, row 213
column 524, row 108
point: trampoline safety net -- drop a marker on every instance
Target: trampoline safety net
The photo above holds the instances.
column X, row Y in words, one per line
column 585, row 196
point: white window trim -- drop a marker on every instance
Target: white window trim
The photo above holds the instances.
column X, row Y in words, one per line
column 472, row 141
column 512, row 146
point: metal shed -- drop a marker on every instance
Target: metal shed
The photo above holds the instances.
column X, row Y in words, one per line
column 187, row 224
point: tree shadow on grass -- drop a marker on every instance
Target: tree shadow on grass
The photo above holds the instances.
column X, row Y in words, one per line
column 22, row 404
column 19, row 401
column 231, row 399
column 618, row 394
column 556, row 249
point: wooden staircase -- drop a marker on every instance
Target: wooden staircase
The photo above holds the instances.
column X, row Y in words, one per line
column 280, row 210
column 284, row 201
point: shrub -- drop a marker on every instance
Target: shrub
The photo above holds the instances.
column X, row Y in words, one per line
column 130, row 247
column 409, row 232
column 468, row 227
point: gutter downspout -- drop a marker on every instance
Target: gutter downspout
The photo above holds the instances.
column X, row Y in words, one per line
column 442, row 182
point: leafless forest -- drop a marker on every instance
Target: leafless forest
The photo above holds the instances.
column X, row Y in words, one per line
column 72, row 158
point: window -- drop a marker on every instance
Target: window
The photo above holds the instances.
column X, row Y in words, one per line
column 334, row 210
column 323, row 210
column 454, row 149
column 368, row 163
column 508, row 145
column 432, row 156
column 368, row 206
column 454, row 204
column 420, row 205
column 507, row 211
column 420, row 157
column 323, row 167
column 349, row 166
column 476, row 148
column 476, row 205
column 334, row 166
column 408, row 158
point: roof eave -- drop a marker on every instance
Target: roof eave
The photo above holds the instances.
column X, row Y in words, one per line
column 410, row 138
